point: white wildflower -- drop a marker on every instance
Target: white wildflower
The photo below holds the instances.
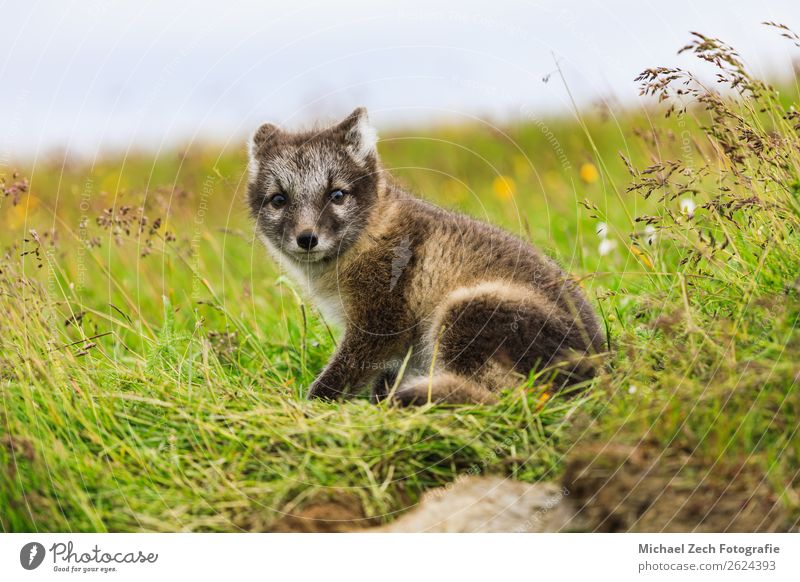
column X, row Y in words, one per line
column 606, row 246
column 650, row 234
column 687, row 207
column 602, row 229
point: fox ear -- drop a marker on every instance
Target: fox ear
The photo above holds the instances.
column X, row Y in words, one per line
column 359, row 136
column 263, row 136
column 260, row 142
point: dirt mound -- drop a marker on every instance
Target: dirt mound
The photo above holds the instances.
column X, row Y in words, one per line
column 608, row 488
column 331, row 515
column 647, row 489
column 470, row 504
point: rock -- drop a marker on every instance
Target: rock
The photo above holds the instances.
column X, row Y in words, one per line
column 487, row 504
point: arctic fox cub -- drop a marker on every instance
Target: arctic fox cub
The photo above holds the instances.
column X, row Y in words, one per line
column 475, row 307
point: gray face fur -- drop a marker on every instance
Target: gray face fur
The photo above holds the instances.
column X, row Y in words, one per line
column 311, row 193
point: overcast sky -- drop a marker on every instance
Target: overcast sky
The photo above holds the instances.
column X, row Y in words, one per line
column 87, row 75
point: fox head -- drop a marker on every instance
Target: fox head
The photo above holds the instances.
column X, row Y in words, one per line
column 311, row 193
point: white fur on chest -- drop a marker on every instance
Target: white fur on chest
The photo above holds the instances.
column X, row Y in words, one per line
column 329, row 303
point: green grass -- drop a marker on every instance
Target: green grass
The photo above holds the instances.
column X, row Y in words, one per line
column 151, row 377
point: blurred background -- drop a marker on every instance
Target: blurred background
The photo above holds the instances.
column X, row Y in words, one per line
column 80, row 77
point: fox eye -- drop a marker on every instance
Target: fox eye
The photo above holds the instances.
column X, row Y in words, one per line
column 337, row 196
column 277, row 200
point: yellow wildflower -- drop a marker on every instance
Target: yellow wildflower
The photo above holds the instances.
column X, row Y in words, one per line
column 542, row 401
column 642, row 256
column 503, row 187
column 589, row 173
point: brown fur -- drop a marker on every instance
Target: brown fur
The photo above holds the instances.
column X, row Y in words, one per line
column 476, row 307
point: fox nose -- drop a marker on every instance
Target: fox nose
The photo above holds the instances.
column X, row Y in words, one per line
column 307, row 240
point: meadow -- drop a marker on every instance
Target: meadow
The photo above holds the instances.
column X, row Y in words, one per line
column 153, row 362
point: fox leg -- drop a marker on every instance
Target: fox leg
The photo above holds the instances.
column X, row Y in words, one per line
column 383, row 384
column 488, row 337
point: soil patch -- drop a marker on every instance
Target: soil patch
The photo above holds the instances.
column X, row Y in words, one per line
column 648, row 489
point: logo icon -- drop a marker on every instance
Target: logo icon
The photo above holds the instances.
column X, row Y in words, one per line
column 31, row 555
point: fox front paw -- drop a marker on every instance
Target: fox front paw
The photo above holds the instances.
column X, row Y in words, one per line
column 323, row 391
